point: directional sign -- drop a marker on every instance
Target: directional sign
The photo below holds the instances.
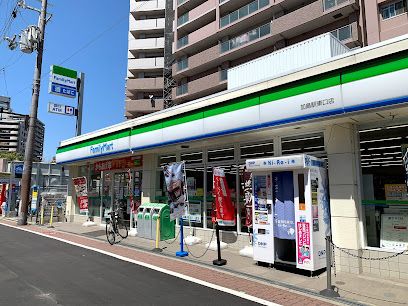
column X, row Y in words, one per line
column 62, row 90
column 61, row 109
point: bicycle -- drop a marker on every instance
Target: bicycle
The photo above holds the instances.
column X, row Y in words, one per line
column 115, row 226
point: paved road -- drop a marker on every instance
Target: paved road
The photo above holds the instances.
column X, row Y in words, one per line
column 35, row 270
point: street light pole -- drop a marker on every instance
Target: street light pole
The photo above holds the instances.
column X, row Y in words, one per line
column 28, row 156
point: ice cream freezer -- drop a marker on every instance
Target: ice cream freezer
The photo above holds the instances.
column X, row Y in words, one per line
column 291, row 214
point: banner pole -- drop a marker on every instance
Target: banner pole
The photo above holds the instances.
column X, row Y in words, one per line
column 181, row 253
column 219, row 261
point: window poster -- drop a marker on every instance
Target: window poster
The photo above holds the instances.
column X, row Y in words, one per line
column 260, row 193
column 303, row 234
column 394, row 231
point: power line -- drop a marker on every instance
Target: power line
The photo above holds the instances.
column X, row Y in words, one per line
column 83, row 47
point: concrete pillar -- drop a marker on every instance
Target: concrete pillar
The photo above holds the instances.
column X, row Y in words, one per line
column 342, row 145
column 71, row 198
column 148, row 178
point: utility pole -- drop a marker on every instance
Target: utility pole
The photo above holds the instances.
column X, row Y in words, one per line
column 28, row 156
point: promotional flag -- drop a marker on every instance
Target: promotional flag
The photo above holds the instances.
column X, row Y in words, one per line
column 225, row 214
column 175, row 184
column 133, row 207
column 246, row 184
column 81, row 190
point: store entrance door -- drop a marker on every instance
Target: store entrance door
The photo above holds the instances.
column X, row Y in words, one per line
column 120, row 197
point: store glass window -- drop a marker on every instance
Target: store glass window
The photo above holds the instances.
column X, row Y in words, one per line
column 384, row 188
column 94, row 195
column 312, row 144
column 195, row 189
column 166, row 159
column 221, row 154
column 256, row 150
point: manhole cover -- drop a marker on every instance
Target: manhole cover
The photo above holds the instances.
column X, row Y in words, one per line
column 340, row 283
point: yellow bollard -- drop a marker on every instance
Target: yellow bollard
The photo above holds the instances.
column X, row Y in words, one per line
column 157, row 248
column 52, row 213
column 42, row 215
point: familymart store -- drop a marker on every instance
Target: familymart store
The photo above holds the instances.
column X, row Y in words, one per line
column 350, row 111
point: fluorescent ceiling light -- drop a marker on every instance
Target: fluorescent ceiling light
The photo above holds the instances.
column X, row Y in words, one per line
column 370, row 130
column 397, row 126
column 382, row 148
column 301, row 139
column 385, row 139
column 256, row 145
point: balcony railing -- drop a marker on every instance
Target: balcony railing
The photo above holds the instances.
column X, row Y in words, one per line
column 243, row 12
column 182, row 89
column 182, row 64
column 329, row 4
column 182, row 42
column 182, row 19
column 342, row 33
column 245, row 38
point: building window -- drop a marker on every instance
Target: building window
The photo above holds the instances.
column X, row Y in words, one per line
column 182, row 63
column 182, row 41
column 393, row 9
column 342, row 33
column 328, row 4
column 182, row 19
column 182, row 89
column 243, row 12
column 223, row 75
column 245, row 38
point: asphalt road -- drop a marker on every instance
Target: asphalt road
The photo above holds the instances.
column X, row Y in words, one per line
column 35, row 270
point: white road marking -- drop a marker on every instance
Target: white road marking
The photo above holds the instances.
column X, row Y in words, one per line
column 152, row 267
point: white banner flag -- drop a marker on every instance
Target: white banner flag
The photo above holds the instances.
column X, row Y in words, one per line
column 173, row 175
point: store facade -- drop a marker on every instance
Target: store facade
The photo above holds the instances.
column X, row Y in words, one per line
column 350, row 111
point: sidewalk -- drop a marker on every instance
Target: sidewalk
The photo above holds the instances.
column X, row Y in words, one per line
column 241, row 272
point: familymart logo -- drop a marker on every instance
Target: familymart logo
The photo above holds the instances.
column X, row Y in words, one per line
column 102, row 148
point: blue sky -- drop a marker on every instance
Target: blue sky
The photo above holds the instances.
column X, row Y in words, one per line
column 89, row 36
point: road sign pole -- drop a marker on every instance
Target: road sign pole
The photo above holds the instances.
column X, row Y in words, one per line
column 81, row 82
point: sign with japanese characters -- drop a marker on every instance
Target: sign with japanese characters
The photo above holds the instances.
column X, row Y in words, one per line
column 81, row 190
column 225, row 209
column 303, row 243
column 394, row 231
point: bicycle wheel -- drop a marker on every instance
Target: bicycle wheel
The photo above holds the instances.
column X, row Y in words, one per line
column 122, row 229
column 110, row 233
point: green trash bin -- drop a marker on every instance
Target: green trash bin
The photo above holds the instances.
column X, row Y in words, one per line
column 147, row 217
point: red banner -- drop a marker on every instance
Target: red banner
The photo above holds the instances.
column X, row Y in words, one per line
column 120, row 163
column 225, row 210
column 81, row 190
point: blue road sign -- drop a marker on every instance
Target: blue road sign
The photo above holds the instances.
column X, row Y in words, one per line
column 62, row 90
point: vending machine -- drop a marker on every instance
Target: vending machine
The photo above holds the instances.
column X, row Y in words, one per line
column 291, row 214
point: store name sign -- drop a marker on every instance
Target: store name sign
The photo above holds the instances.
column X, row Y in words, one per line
column 120, row 163
column 101, row 148
column 280, row 162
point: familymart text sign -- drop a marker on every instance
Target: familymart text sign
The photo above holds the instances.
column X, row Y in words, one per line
column 63, row 81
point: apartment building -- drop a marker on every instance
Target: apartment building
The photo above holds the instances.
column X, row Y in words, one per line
column 211, row 36
column 385, row 19
column 145, row 58
column 214, row 35
column 14, row 131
